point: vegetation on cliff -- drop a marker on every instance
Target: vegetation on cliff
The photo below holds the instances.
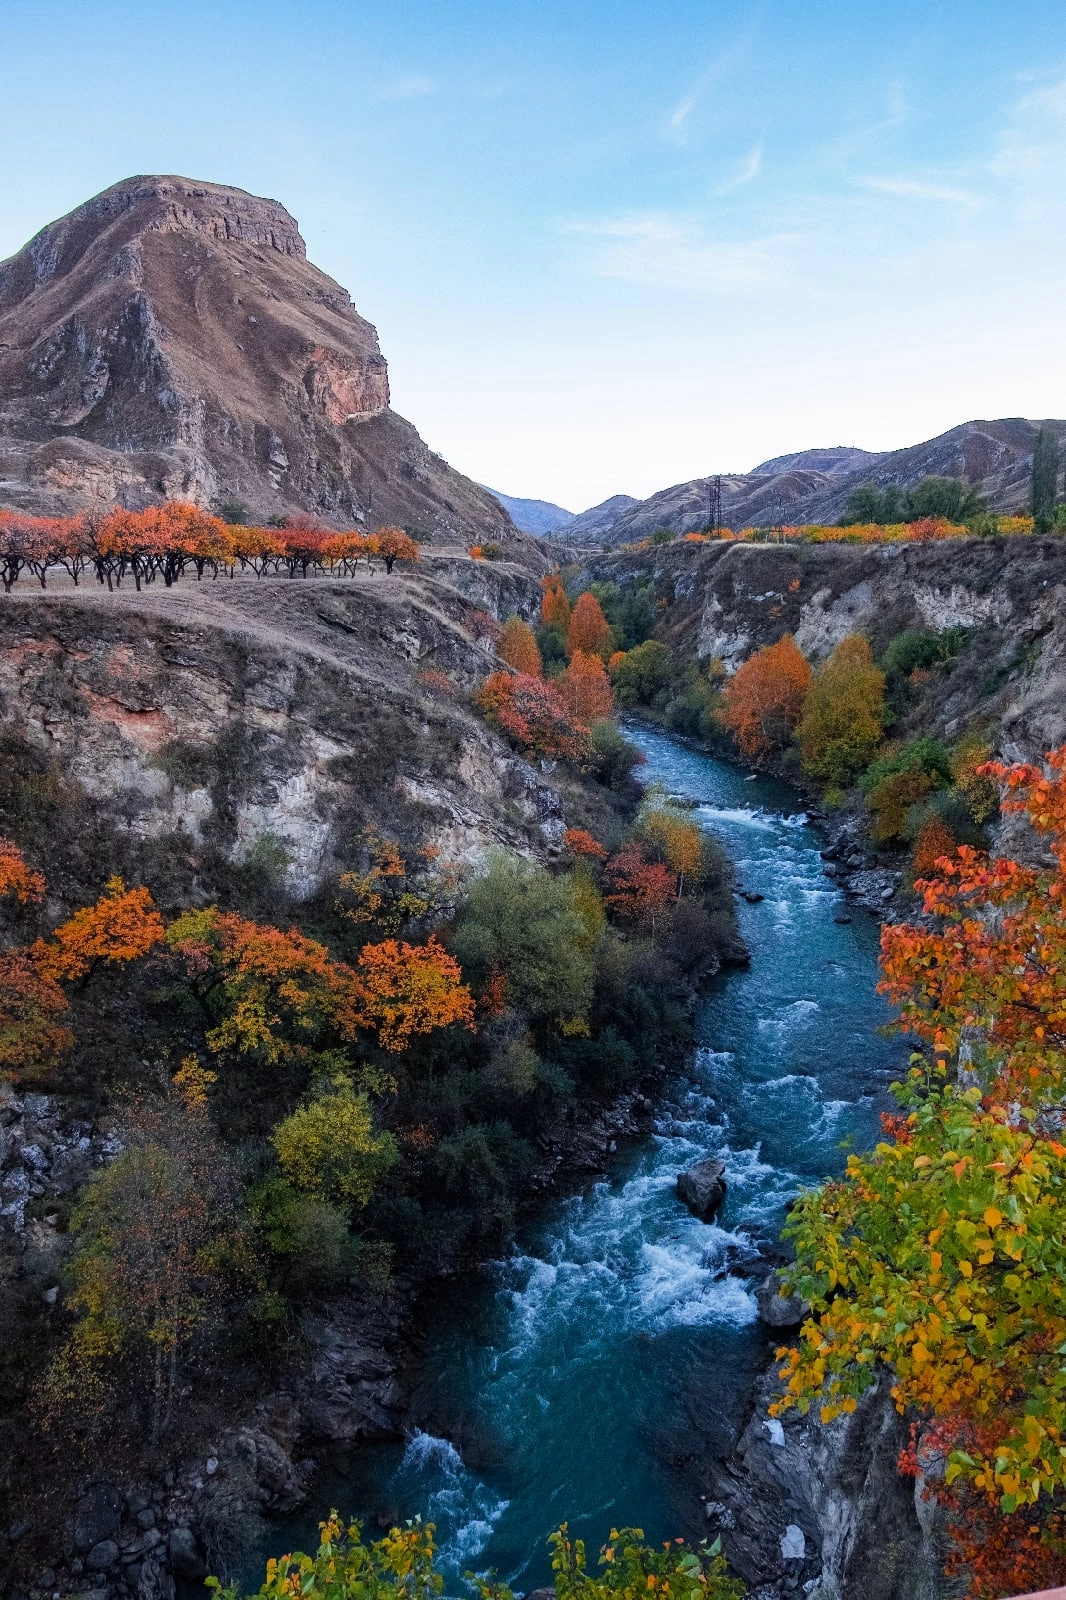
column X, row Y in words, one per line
column 941, row 1255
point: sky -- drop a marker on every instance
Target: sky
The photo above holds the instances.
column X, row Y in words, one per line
column 613, row 246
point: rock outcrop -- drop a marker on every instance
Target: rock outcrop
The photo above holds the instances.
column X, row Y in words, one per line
column 702, row 1188
column 169, row 339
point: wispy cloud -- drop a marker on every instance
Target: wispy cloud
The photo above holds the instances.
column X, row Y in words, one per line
column 1032, row 147
column 414, row 87
column 678, row 253
column 726, row 61
column 920, row 190
column 747, row 171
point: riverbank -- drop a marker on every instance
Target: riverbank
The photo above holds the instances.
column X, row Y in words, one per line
column 592, row 1371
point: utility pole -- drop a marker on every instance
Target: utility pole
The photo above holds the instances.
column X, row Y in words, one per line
column 714, row 505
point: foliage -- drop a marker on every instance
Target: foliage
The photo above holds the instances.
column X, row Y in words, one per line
column 328, row 1148
column 17, row 880
column 639, row 892
column 154, row 1231
column 643, row 673
column 380, row 897
column 763, row 700
column 944, row 1252
column 401, row 1567
column 1045, row 480
column 843, row 714
column 612, row 758
column 951, row 498
column 976, row 787
column 588, row 630
column 518, row 647
column 521, row 923
column 902, row 779
column 534, row 716
column 917, row 648
column 630, row 612
column 554, row 605
column 34, row 1037
column 586, row 688
column 668, row 835
column 405, row 989
column 122, row 926
column 934, row 840
column 393, row 545
column 581, row 843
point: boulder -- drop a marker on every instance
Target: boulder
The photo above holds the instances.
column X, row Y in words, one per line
column 702, row 1188
column 779, row 1310
column 102, row 1556
column 96, row 1516
column 186, row 1557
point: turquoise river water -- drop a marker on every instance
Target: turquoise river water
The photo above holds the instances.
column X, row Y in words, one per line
column 585, row 1375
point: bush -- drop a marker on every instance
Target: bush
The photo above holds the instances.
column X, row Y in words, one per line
column 643, row 674
column 917, row 648
column 613, row 757
column 520, row 921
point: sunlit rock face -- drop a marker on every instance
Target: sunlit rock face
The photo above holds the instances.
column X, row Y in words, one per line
column 170, row 339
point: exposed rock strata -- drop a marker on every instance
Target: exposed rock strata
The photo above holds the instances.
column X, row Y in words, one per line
column 170, row 339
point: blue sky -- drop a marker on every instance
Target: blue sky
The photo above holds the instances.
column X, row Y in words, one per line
column 612, row 246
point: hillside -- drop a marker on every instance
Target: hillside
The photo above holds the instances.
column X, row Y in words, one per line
column 170, row 339
column 814, row 485
column 537, row 517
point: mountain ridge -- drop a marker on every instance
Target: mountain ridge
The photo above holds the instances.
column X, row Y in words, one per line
column 995, row 456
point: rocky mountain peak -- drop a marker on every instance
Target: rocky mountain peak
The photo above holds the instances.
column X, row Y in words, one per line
column 169, row 339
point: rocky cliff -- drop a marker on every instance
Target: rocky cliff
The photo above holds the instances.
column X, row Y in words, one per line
column 252, row 725
column 727, row 599
column 814, row 485
column 170, row 339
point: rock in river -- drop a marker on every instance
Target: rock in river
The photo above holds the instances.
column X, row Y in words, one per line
column 779, row 1310
column 702, row 1188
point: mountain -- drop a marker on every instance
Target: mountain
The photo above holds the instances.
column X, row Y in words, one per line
column 994, row 456
column 537, row 517
column 170, row 339
column 836, row 458
column 592, row 526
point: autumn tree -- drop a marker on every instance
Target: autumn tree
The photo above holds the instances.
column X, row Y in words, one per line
column 669, row 836
column 120, row 927
column 554, row 605
column 518, row 647
column 763, row 701
column 534, row 715
column 393, row 545
column 380, row 897
column 329, row 1148
column 588, row 629
column 152, row 1232
column 586, row 688
column 843, row 713
column 401, row 990
column 942, row 1254
column 34, row 1036
column 638, row 892
column 17, row 880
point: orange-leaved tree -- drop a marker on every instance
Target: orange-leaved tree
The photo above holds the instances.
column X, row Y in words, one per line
column 34, row 1038
column 580, row 842
column 588, row 629
column 637, row 892
column 763, row 700
column 120, row 927
column 518, row 647
column 392, row 545
column 534, row 715
column 407, row 989
column 943, row 1253
column 554, row 605
column 586, row 688
column 17, row 880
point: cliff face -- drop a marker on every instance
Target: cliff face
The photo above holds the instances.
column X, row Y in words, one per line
column 262, row 726
column 814, row 485
column 1010, row 676
column 170, row 339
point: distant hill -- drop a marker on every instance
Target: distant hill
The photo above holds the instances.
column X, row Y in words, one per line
column 994, row 456
column 837, row 458
column 593, row 526
column 537, row 517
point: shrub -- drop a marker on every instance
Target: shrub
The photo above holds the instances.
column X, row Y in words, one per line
column 643, row 674
column 613, row 757
column 916, row 648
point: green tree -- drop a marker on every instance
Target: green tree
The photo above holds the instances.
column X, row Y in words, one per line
column 868, row 503
column 1045, row 479
column 519, row 921
column 952, row 498
column 843, row 714
column 642, row 674
column 328, row 1148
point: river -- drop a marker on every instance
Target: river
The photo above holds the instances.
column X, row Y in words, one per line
column 585, row 1375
